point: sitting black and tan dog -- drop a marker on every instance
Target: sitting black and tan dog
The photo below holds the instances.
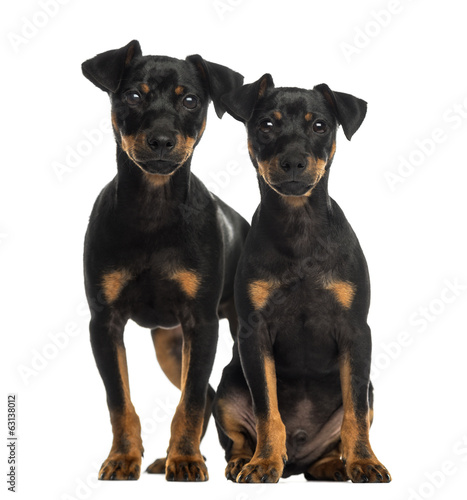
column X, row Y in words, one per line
column 160, row 249
column 296, row 397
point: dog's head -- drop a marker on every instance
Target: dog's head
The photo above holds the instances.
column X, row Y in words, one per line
column 292, row 132
column 159, row 104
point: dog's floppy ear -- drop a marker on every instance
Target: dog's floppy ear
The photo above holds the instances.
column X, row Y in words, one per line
column 106, row 70
column 218, row 80
column 350, row 111
column 241, row 102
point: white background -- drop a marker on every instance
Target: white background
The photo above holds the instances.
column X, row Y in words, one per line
column 410, row 67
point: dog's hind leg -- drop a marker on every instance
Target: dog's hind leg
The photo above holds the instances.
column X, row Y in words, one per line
column 329, row 467
column 227, row 310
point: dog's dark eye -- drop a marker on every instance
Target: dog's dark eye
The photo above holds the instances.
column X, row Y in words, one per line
column 190, row 101
column 132, row 97
column 266, row 126
column 319, row 127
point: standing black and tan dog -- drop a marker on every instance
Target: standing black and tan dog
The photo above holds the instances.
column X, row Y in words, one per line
column 160, row 249
column 303, row 399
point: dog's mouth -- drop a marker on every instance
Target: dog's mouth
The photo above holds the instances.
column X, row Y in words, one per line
column 293, row 188
column 158, row 167
column 156, row 163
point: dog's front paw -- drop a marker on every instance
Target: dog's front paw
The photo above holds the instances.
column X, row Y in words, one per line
column 368, row 470
column 186, row 468
column 121, row 466
column 261, row 471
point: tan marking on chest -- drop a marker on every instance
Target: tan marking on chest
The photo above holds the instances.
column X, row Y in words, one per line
column 113, row 283
column 260, row 291
column 343, row 291
column 189, row 281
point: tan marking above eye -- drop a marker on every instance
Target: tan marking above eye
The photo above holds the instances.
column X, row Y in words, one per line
column 179, row 90
column 277, row 115
column 114, row 282
column 343, row 292
column 145, row 88
column 189, row 281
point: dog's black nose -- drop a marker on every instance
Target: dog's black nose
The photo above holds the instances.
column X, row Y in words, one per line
column 162, row 143
column 291, row 163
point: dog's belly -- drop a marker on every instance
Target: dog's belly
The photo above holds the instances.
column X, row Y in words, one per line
column 312, row 427
column 310, row 433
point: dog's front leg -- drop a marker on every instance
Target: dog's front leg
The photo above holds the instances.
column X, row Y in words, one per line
column 124, row 460
column 361, row 463
column 184, row 459
column 267, row 463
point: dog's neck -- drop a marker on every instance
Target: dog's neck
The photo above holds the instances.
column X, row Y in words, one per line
column 296, row 223
column 150, row 197
column 316, row 207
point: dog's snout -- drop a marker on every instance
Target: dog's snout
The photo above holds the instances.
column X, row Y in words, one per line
column 293, row 163
column 162, row 143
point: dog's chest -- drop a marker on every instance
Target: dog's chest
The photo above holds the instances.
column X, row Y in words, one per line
column 303, row 315
column 159, row 293
column 305, row 293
